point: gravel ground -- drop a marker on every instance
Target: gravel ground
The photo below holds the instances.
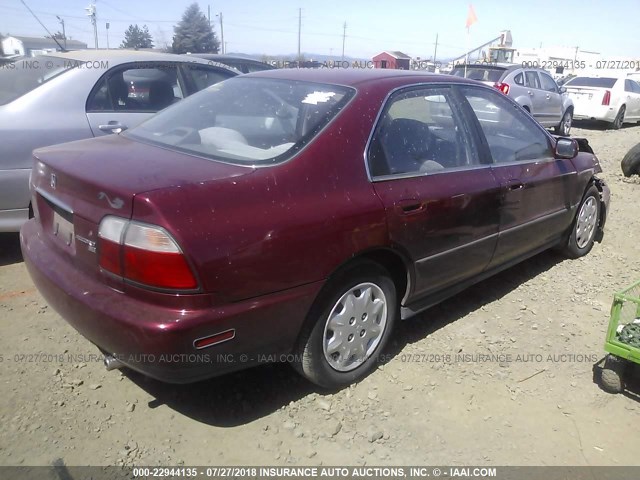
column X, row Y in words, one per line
column 438, row 400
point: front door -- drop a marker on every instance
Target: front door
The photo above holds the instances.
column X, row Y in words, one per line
column 127, row 95
column 537, row 189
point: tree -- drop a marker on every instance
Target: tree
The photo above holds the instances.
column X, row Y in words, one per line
column 194, row 34
column 136, row 37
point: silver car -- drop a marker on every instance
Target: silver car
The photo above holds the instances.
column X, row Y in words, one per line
column 62, row 97
column 532, row 88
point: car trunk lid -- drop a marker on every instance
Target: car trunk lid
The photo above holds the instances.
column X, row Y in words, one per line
column 75, row 185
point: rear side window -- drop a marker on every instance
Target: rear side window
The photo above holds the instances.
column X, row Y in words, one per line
column 21, row 77
column 599, row 82
column 531, row 79
column 511, row 134
column 419, row 133
column 628, row 86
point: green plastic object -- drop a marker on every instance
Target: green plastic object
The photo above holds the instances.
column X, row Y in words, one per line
column 623, row 333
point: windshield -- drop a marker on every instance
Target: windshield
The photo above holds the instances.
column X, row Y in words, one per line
column 26, row 74
column 246, row 120
column 601, row 82
column 483, row 74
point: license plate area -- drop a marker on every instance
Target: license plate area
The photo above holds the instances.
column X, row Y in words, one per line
column 61, row 225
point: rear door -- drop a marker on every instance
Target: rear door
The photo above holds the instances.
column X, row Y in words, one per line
column 537, row 96
column 553, row 100
column 536, row 189
column 441, row 201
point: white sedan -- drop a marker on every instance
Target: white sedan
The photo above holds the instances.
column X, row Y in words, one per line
column 615, row 100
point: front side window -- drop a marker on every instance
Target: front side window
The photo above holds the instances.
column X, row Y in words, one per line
column 511, row 134
column 136, row 90
column 201, row 76
column 548, row 83
column 419, row 133
column 22, row 76
column 246, row 121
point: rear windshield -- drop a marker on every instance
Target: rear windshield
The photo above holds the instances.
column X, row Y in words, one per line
column 481, row 73
column 601, row 82
column 26, row 74
column 246, row 121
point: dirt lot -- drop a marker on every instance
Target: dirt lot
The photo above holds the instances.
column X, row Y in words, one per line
column 538, row 406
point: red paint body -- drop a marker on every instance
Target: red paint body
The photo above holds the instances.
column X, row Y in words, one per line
column 262, row 242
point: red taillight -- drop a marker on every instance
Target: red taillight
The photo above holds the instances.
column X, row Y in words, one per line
column 503, row 87
column 143, row 254
column 607, row 98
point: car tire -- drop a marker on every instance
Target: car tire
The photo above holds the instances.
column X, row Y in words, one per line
column 631, row 162
column 585, row 225
column 619, row 120
column 564, row 127
column 333, row 350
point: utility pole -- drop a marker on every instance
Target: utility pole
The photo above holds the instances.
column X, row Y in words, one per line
column 64, row 34
column 91, row 12
column 209, row 14
column 224, row 47
column 107, row 26
column 344, row 36
column 299, row 35
column 435, row 52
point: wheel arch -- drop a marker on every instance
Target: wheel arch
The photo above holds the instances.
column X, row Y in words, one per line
column 392, row 260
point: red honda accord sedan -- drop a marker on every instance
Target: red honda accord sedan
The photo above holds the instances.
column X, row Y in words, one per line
column 297, row 215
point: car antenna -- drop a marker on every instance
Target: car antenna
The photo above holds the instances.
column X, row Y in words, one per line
column 47, row 30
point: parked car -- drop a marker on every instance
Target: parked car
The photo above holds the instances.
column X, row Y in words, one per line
column 297, row 215
column 61, row 97
column 243, row 64
column 532, row 88
column 615, row 100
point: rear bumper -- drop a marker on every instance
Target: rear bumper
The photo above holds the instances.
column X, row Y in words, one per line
column 604, row 113
column 158, row 341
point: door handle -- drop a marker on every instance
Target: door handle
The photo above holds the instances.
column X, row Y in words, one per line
column 530, row 93
column 113, row 127
column 515, row 186
column 548, row 97
column 410, row 207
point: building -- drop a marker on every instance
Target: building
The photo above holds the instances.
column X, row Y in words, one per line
column 32, row 46
column 392, row 60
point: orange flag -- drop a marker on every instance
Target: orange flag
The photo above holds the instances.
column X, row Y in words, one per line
column 471, row 17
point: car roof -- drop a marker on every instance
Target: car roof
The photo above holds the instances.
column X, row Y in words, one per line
column 354, row 77
column 222, row 58
column 118, row 56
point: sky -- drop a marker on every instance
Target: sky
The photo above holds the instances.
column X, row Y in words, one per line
column 271, row 28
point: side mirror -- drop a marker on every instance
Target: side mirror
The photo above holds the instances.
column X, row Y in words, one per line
column 563, row 89
column 566, row 148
